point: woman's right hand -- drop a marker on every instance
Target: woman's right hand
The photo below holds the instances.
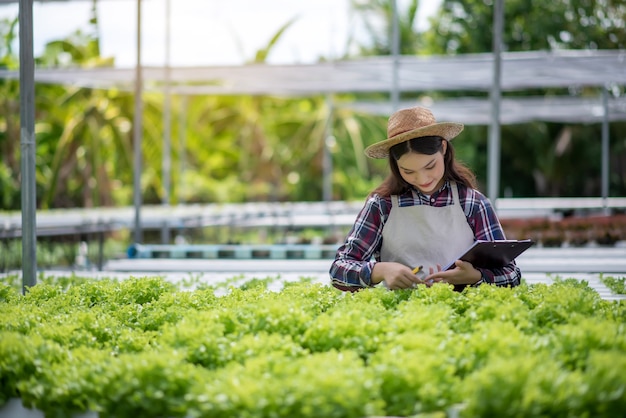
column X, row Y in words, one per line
column 395, row 275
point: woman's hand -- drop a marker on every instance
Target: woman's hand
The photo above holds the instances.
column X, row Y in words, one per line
column 395, row 275
column 462, row 273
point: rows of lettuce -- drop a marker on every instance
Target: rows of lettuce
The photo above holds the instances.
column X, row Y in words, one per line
column 144, row 347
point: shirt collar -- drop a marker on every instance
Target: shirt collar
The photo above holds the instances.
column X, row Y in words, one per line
column 444, row 186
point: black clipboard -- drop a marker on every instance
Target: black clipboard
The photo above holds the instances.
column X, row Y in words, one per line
column 492, row 254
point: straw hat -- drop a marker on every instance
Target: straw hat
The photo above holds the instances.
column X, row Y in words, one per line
column 412, row 123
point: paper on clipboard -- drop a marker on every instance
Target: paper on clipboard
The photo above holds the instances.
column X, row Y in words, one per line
column 492, row 254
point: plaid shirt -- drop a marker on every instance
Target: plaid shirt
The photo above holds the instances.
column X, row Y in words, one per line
column 352, row 268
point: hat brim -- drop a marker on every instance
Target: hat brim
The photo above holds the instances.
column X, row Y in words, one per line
column 446, row 130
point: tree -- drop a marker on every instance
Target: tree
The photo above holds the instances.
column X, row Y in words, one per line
column 82, row 135
column 559, row 159
column 377, row 19
column 9, row 120
column 463, row 26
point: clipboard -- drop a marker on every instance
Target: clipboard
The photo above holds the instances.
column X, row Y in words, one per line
column 492, row 254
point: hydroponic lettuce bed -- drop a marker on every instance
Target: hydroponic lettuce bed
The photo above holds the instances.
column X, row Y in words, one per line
column 144, row 348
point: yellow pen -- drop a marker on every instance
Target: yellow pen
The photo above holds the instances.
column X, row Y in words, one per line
column 417, row 269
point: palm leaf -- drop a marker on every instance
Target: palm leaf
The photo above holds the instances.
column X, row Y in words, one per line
column 262, row 54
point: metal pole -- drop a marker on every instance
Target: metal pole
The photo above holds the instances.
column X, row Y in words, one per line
column 28, row 146
column 137, row 133
column 182, row 150
column 493, row 169
column 167, row 126
column 327, row 162
column 605, row 150
column 395, row 52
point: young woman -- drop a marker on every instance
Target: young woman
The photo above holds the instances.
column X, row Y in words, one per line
column 425, row 213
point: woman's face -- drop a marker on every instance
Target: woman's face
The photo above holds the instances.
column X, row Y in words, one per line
column 425, row 172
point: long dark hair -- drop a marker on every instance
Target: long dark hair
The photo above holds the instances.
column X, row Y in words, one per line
column 429, row 145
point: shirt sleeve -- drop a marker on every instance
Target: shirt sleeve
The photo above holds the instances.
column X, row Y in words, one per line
column 352, row 268
column 486, row 225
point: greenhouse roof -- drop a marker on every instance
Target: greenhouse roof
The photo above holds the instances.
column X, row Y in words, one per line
column 513, row 110
column 573, row 69
column 470, row 72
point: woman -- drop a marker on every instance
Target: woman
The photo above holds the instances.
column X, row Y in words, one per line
column 425, row 213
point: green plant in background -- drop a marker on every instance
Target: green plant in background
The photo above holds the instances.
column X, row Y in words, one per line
column 9, row 120
column 616, row 284
column 61, row 252
column 234, row 149
column 553, row 152
column 377, row 17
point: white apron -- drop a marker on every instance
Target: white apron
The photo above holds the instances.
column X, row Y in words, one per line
column 423, row 235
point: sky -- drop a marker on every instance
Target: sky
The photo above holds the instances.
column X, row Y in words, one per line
column 206, row 32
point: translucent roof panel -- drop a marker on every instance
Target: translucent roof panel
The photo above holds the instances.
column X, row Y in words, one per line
column 520, row 70
column 513, row 110
column 471, row 72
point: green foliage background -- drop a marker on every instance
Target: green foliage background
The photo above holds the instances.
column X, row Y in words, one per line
column 235, row 149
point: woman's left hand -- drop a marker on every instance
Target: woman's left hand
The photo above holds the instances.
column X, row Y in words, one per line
column 462, row 273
